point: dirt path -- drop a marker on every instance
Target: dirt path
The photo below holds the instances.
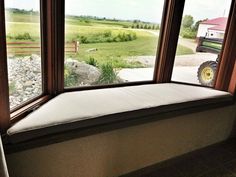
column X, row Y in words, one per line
column 189, row 43
column 183, row 60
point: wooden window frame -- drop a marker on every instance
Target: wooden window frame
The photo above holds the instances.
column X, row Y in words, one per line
column 169, row 40
column 226, row 74
column 46, row 63
column 4, row 90
column 53, row 38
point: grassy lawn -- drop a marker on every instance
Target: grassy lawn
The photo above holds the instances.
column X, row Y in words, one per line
column 93, row 22
column 107, row 52
column 182, row 50
column 116, row 52
column 16, row 28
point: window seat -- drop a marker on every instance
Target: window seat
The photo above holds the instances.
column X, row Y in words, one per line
column 83, row 109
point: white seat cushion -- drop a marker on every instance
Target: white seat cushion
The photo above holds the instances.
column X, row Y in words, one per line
column 76, row 107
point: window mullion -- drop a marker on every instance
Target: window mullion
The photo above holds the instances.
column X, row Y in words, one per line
column 4, row 90
column 47, row 46
column 59, row 27
column 168, row 44
column 226, row 69
column 53, row 49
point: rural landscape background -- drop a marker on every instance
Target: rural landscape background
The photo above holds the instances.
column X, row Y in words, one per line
column 102, row 42
column 105, row 43
column 128, row 38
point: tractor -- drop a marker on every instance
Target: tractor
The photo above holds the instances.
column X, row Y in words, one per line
column 207, row 71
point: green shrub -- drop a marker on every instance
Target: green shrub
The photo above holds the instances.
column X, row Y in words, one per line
column 9, row 37
column 25, row 36
column 92, row 61
column 107, row 37
column 108, row 75
column 107, row 34
column 188, row 33
column 124, row 37
column 83, row 39
column 71, row 78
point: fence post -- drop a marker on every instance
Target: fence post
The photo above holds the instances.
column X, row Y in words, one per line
column 76, row 46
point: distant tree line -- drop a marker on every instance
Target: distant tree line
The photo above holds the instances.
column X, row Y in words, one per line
column 22, row 11
column 90, row 17
column 138, row 24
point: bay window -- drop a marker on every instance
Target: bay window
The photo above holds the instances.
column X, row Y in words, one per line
column 48, row 47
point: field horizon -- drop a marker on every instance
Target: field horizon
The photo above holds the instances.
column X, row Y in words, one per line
column 114, row 40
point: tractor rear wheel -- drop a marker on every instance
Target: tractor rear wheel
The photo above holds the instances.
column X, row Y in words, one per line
column 207, row 73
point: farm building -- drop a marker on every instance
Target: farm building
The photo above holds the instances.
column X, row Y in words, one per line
column 213, row 28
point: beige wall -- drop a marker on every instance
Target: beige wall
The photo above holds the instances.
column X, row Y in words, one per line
column 121, row 151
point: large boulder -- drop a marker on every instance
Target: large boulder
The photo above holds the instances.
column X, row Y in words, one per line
column 87, row 74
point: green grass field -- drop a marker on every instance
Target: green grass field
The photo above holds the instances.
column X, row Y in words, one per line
column 107, row 52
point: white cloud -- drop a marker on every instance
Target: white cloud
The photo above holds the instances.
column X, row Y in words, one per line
column 202, row 9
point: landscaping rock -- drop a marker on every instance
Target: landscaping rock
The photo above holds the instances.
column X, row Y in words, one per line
column 87, row 74
column 25, row 77
column 25, row 80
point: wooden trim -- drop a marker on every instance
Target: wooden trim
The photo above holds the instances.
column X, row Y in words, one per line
column 59, row 29
column 232, row 85
column 191, row 84
column 228, row 56
column 22, row 105
column 4, row 90
column 108, row 86
column 30, row 107
column 48, row 46
column 44, row 45
column 170, row 34
column 161, row 38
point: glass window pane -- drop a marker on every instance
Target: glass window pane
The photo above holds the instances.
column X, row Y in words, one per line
column 23, row 50
column 200, row 41
column 110, row 41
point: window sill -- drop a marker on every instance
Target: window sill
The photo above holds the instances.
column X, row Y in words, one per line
column 93, row 108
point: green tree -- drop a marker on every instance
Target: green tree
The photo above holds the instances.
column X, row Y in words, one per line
column 196, row 25
column 187, row 21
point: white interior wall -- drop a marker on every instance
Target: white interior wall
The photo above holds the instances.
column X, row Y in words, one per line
column 121, row 151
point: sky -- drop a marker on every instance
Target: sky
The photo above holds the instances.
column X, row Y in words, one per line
column 145, row 10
